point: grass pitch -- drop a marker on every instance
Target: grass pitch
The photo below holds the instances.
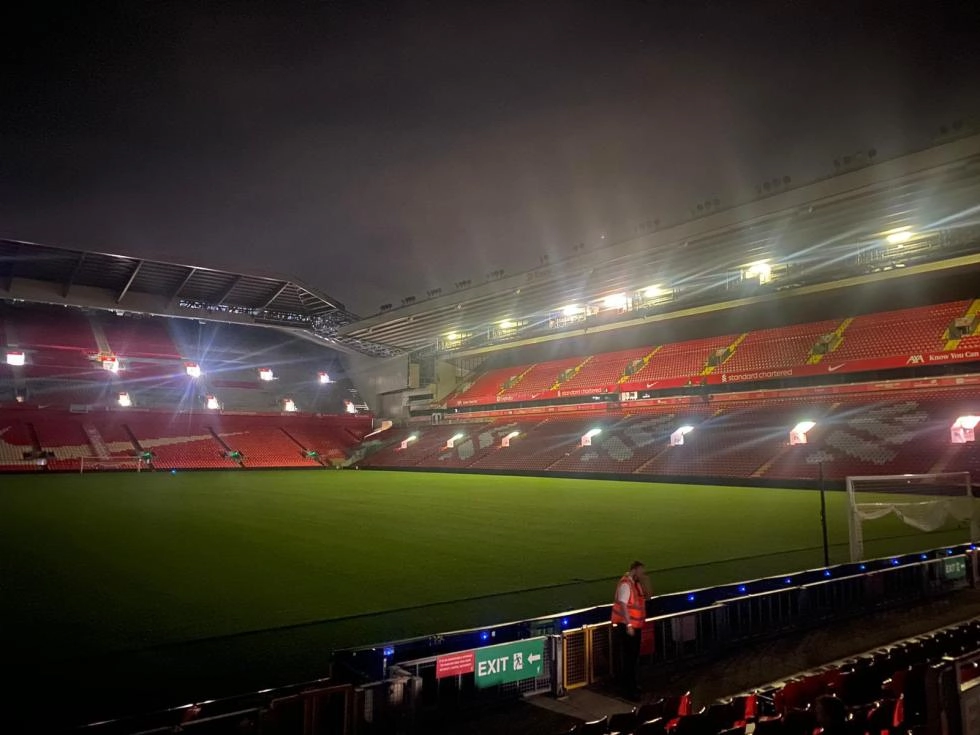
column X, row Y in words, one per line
column 138, row 568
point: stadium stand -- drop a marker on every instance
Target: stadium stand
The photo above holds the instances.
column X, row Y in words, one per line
column 870, row 433
column 903, row 332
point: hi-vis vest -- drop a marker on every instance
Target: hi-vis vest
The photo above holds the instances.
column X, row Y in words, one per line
column 636, row 606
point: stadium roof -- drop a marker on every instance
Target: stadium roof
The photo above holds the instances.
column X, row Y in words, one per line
column 905, row 211
column 47, row 274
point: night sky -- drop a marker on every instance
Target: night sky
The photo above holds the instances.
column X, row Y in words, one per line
column 379, row 149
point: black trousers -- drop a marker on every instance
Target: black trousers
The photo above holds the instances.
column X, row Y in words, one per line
column 627, row 658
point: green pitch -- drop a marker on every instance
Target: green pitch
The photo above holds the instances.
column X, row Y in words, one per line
column 115, row 566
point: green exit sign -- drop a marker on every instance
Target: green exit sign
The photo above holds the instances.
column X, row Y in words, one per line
column 509, row 662
column 954, row 567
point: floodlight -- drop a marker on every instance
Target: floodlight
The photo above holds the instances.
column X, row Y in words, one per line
column 571, row 310
column 677, row 438
column 797, row 434
column 897, row 237
column 111, row 364
column 968, row 422
column 192, row 369
column 324, row 378
column 15, row 358
column 349, row 407
column 266, row 374
column 212, row 403
column 288, row 405
column 124, row 400
column 963, row 429
column 452, row 337
column 653, row 292
column 615, row 301
column 507, row 324
column 760, row 269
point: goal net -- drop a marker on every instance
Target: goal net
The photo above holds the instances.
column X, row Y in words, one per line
column 928, row 503
column 118, row 464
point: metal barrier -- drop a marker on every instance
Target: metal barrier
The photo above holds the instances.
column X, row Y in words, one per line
column 386, row 685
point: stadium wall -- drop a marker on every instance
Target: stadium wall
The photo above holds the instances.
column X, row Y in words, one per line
column 381, row 382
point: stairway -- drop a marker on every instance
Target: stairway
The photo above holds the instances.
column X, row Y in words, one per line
column 96, row 440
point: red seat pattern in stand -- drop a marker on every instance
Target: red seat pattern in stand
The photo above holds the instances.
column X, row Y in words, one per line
column 488, row 385
column 776, row 348
column 15, row 440
column 540, row 378
column 540, row 446
column 139, row 338
column 602, row 372
column 66, row 329
column 428, row 442
column 680, row 359
column 268, row 448
column 62, row 435
column 905, row 331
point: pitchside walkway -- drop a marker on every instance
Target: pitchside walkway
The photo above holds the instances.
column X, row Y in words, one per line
column 762, row 664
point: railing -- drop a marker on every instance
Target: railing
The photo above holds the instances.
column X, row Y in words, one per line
column 381, row 687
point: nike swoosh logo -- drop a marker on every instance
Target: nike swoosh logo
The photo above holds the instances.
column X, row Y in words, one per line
column 834, row 368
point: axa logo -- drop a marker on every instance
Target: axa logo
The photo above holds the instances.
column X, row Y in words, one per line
column 915, row 360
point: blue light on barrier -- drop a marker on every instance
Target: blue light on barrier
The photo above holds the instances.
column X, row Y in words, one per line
column 690, row 598
column 484, row 636
column 741, row 588
column 389, row 651
column 949, row 552
column 788, row 580
column 923, row 557
column 863, row 567
column 564, row 622
column 894, row 562
column 826, row 572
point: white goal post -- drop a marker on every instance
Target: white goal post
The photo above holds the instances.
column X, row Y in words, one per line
column 99, row 464
column 925, row 502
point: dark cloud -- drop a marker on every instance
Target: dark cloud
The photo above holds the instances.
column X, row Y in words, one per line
column 381, row 149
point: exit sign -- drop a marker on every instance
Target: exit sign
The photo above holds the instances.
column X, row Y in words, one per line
column 509, row 662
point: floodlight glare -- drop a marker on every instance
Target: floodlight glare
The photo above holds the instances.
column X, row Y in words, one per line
column 124, row 400
column 288, row 405
column 653, row 292
column 266, row 374
column 111, row 364
column 193, row 369
column 897, row 237
column 592, row 432
column 615, row 301
column 967, row 422
column 212, row 403
column 760, row 269
column 797, row 434
column 677, row 438
column 571, row 310
column 507, row 324
column 324, row 378
column 452, row 337
column 15, row 358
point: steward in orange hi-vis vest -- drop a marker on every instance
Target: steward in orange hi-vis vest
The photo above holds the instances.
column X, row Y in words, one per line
column 636, row 606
